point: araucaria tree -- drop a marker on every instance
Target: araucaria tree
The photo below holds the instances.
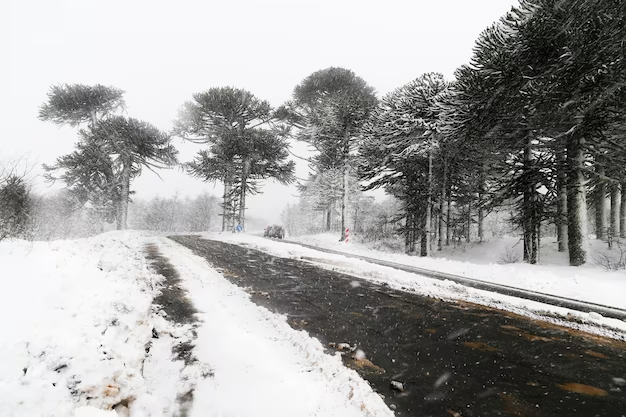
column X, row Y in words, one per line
column 132, row 145
column 111, row 150
column 565, row 84
column 328, row 109
column 75, row 104
column 400, row 146
column 538, row 115
column 242, row 148
column 533, row 124
column 90, row 178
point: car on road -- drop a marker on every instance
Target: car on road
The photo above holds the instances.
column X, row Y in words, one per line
column 274, row 231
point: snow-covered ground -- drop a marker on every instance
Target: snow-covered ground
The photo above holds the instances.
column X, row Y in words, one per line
column 79, row 322
column 75, row 322
column 483, row 261
column 613, row 283
column 78, row 338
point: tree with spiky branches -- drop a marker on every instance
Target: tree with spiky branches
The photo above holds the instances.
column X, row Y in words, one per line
column 88, row 171
column 242, row 149
column 328, row 108
column 75, row 104
column 90, row 177
column 398, row 151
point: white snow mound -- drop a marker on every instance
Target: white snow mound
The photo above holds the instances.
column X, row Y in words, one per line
column 79, row 323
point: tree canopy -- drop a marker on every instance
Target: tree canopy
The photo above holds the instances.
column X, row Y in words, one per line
column 74, row 104
column 242, row 149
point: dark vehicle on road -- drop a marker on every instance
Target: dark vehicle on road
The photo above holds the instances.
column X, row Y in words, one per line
column 274, row 231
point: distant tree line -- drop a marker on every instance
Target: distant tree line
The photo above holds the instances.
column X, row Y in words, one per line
column 34, row 216
column 175, row 214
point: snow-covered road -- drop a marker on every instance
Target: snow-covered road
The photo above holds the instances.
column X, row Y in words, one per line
column 261, row 366
column 588, row 321
column 447, row 355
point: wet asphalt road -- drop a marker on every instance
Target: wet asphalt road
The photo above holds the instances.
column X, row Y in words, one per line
column 454, row 359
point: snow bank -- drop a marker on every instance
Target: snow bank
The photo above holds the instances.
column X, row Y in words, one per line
column 261, row 366
column 482, row 261
column 75, row 320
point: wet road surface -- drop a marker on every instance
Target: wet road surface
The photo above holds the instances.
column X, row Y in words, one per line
column 453, row 359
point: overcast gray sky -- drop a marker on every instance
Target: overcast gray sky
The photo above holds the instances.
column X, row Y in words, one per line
column 161, row 52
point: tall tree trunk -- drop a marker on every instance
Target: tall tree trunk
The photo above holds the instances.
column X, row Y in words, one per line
column 529, row 211
column 407, row 237
column 442, row 198
column 225, row 205
column 125, row 195
column 469, row 221
column 561, row 199
column 433, row 228
column 481, row 221
column 600, row 201
column 416, row 228
column 526, row 226
column 441, row 224
column 622, row 211
column 448, row 212
column 534, row 239
column 344, row 203
column 409, row 233
column 423, row 236
column 242, row 198
column 242, row 206
column 481, row 198
column 329, row 216
column 118, row 215
column 614, row 225
column 538, row 242
column 346, row 171
column 233, row 215
column 576, row 201
column 429, row 203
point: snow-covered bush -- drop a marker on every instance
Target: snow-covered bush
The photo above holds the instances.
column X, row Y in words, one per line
column 611, row 261
column 509, row 256
column 15, row 207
